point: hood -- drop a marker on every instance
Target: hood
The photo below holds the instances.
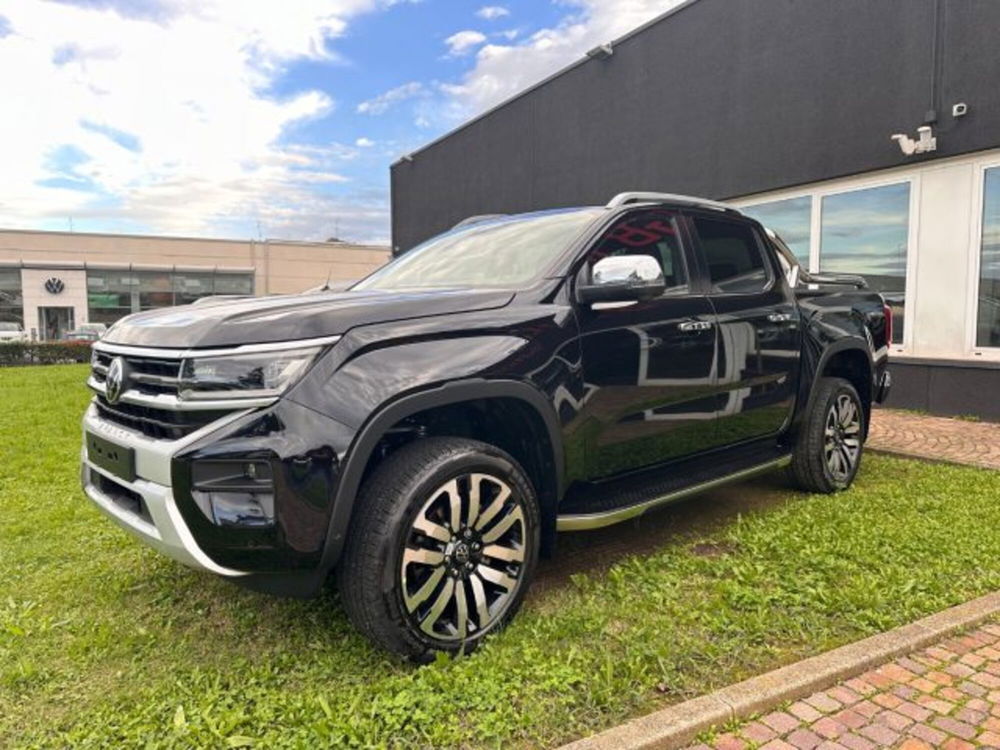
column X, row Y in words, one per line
column 263, row 320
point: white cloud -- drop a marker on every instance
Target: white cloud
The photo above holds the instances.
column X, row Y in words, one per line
column 463, row 42
column 164, row 119
column 502, row 70
column 383, row 102
column 492, row 12
column 364, row 142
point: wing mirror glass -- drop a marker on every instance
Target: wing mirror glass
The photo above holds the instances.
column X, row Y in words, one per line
column 623, row 278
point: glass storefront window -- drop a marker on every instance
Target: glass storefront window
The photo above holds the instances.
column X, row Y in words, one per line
column 11, row 301
column 189, row 287
column 988, row 318
column 114, row 294
column 791, row 219
column 233, row 283
column 867, row 232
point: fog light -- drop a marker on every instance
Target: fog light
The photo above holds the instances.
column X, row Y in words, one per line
column 234, row 493
column 246, row 509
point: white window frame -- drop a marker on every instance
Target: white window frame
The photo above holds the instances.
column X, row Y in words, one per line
column 850, row 185
column 980, row 168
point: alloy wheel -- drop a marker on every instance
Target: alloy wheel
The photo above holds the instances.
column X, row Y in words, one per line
column 842, row 437
column 463, row 556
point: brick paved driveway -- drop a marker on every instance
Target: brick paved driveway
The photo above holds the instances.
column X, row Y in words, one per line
column 975, row 443
column 946, row 696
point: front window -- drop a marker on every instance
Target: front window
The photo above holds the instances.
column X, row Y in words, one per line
column 988, row 325
column 866, row 232
column 503, row 253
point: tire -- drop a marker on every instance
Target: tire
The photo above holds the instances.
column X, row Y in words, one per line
column 829, row 446
column 411, row 566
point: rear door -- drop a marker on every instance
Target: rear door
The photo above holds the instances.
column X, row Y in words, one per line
column 758, row 327
column 649, row 365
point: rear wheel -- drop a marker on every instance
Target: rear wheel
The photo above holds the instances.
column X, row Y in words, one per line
column 828, row 451
column 442, row 549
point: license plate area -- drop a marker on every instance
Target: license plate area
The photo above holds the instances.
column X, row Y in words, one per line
column 116, row 459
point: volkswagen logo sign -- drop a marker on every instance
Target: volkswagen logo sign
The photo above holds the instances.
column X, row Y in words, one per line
column 54, row 285
column 114, row 383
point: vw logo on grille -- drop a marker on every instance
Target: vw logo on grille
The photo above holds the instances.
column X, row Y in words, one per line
column 54, row 285
column 114, row 383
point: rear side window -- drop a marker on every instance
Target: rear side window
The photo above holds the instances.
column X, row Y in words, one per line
column 733, row 255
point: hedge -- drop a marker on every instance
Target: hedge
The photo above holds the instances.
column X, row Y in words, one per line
column 43, row 352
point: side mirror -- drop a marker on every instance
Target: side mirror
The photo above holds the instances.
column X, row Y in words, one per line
column 623, row 278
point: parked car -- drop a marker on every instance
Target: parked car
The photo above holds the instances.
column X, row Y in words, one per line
column 425, row 434
column 99, row 328
column 81, row 334
column 12, row 332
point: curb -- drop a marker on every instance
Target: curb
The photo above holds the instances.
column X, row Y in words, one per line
column 678, row 725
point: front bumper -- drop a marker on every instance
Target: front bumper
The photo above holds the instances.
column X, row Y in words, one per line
column 145, row 507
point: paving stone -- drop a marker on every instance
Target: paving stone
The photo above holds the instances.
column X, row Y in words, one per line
column 953, row 726
column 804, row 711
column 758, row 733
column 935, row 437
column 803, row 739
column 880, row 734
column 781, row 722
column 934, row 736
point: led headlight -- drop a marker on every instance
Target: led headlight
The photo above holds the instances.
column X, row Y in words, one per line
column 258, row 375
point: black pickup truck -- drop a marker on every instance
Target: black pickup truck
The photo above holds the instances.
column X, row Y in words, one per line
column 424, row 435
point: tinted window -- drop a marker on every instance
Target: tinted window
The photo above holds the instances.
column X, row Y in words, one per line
column 652, row 233
column 733, row 256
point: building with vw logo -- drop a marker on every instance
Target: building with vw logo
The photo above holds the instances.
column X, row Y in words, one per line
column 52, row 283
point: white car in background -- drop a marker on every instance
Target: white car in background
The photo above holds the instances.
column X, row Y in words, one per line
column 11, row 332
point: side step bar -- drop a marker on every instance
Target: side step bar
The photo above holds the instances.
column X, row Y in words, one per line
column 588, row 521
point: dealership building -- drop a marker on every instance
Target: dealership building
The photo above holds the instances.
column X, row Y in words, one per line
column 53, row 282
column 788, row 110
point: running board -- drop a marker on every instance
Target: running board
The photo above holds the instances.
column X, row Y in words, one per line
column 588, row 521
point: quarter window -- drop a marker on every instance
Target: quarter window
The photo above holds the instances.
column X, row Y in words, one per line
column 988, row 319
column 866, row 232
column 733, row 255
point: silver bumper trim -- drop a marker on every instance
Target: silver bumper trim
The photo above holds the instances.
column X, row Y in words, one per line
column 168, row 533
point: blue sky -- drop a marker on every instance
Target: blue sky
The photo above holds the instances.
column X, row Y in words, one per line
column 247, row 118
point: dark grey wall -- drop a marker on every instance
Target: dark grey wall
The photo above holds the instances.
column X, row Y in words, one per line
column 946, row 388
column 720, row 99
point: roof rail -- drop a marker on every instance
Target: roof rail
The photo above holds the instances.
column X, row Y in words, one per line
column 477, row 220
column 623, row 199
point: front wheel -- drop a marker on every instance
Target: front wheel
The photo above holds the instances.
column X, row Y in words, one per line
column 442, row 548
column 828, row 450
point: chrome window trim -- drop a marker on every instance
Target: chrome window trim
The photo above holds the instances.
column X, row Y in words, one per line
column 156, row 353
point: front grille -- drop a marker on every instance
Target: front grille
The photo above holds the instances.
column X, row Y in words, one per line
column 145, row 374
column 148, row 378
column 162, row 424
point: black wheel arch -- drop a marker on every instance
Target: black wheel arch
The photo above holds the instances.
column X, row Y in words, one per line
column 362, row 449
column 850, row 358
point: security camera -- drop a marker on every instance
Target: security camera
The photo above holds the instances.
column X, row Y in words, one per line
column 926, row 141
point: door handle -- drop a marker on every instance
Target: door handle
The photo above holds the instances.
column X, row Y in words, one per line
column 779, row 317
column 693, row 326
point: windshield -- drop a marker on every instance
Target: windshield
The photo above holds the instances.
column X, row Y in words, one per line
column 507, row 252
column 9, row 327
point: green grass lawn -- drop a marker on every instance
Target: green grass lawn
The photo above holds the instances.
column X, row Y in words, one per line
column 105, row 643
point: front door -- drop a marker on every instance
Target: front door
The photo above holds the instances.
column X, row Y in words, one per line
column 758, row 329
column 54, row 322
column 649, row 365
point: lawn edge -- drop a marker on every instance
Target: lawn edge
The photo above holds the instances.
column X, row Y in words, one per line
column 681, row 723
